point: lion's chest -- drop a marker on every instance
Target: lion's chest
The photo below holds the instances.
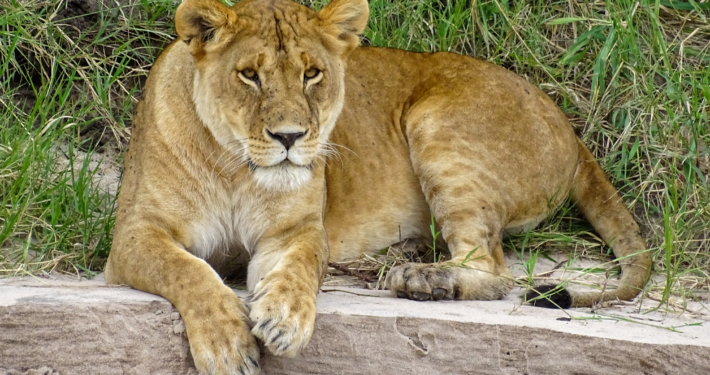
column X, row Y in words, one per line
column 229, row 225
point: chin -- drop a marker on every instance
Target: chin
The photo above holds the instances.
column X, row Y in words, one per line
column 282, row 177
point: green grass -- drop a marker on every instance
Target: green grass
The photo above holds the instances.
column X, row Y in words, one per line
column 69, row 84
column 632, row 77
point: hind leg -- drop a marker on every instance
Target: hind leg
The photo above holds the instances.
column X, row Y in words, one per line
column 470, row 208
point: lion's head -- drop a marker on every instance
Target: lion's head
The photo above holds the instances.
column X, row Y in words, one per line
column 269, row 81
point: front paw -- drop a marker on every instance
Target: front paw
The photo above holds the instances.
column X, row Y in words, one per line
column 283, row 311
column 219, row 332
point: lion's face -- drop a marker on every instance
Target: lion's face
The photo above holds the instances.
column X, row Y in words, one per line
column 269, row 82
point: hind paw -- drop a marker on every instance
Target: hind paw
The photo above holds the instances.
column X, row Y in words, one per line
column 445, row 281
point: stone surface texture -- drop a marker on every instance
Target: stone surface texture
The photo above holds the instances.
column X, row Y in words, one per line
column 52, row 327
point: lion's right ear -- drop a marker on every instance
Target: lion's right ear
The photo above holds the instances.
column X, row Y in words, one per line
column 203, row 24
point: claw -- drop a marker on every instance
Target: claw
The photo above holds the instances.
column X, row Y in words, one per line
column 420, row 296
column 282, row 348
column 263, row 325
column 438, row 294
column 254, row 362
column 273, row 340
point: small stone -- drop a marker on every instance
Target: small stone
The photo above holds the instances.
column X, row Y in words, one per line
column 175, row 316
column 179, row 328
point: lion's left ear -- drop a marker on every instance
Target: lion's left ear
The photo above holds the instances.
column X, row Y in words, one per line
column 203, row 24
column 344, row 21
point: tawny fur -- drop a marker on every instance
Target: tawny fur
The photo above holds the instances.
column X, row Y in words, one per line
column 207, row 183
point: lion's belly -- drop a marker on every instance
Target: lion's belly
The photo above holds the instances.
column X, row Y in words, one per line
column 374, row 199
column 472, row 128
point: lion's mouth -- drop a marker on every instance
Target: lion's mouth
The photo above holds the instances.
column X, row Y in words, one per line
column 284, row 164
column 283, row 176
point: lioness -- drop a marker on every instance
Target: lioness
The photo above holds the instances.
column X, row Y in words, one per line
column 232, row 154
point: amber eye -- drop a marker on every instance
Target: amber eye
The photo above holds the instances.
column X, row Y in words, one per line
column 249, row 74
column 311, row 74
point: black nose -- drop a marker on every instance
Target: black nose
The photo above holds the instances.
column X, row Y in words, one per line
column 286, row 139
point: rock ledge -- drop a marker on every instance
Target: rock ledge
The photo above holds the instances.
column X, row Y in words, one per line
column 61, row 327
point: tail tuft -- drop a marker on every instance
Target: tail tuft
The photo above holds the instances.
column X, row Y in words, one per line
column 549, row 296
column 598, row 200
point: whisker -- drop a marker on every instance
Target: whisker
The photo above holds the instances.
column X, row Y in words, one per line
column 341, row 146
column 234, row 150
column 324, row 159
column 328, row 151
column 239, row 157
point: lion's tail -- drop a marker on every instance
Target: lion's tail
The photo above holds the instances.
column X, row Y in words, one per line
column 598, row 200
